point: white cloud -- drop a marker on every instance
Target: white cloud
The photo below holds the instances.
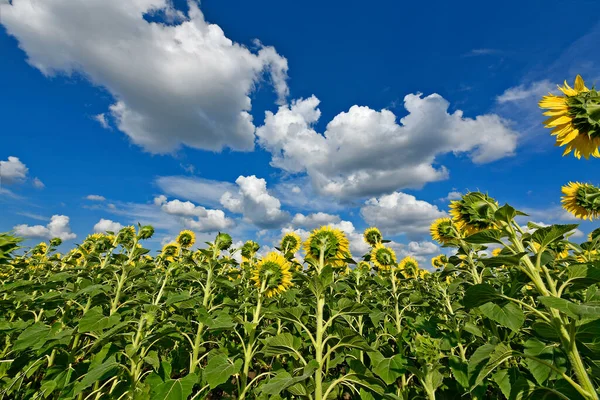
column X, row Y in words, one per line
column 255, row 203
column 105, row 225
column 38, row 184
column 195, row 217
column 399, row 212
column 314, row 220
column 525, row 92
column 57, row 227
column 453, row 195
column 12, row 171
column 178, row 83
column 366, row 152
column 423, row 248
column 101, row 118
column 203, row 191
column 95, row 197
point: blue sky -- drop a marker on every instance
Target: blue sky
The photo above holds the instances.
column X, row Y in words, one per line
column 258, row 118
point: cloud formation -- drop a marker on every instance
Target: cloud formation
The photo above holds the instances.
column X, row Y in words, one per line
column 183, row 82
column 364, row 152
column 58, row 227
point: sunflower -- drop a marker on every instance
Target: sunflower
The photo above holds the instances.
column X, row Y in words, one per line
column 170, row 250
column 364, row 266
column 249, row 249
column 126, row 234
column 333, row 242
column 41, row 248
column 574, row 118
column 383, row 257
column 186, row 239
column 474, row 212
column 439, row 261
column 273, row 274
column 409, row 267
column 441, row 230
column 594, row 234
column 372, row 236
column 290, row 243
column 582, row 200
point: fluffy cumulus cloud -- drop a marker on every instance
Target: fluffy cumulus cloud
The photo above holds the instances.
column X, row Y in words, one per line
column 183, row 82
column 254, row 202
column 57, row 227
column 106, row 225
column 195, row 217
column 365, row 152
column 12, row 171
column 400, row 213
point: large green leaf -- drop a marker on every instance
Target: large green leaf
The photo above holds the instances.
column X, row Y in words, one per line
column 220, row 368
column 97, row 374
column 95, row 321
column 33, row 337
column 477, row 295
column 508, row 315
column 390, row 369
column 545, row 236
column 175, row 389
column 284, row 343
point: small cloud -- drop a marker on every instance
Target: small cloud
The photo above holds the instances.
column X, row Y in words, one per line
column 105, row 225
column 57, row 227
column 33, row 216
column 482, row 52
column 453, row 195
column 38, row 184
column 525, row 92
column 95, row 197
column 101, row 118
column 189, row 168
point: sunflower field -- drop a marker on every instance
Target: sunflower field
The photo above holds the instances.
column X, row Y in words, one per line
column 509, row 311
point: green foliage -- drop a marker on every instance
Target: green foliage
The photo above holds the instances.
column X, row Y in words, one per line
column 107, row 320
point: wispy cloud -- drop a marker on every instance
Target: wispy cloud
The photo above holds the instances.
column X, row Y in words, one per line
column 483, row 52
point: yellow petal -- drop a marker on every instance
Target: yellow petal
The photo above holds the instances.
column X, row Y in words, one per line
column 555, row 121
column 566, row 89
column 580, row 85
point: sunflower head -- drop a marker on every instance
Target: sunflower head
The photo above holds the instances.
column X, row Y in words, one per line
column 594, row 234
column 223, row 241
column 442, row 231
column 290, row 243
column 55, row 242
column 383, row 257
column 332, row 242
column 249, row 249
column 474, row 212
column 409, row 267
column 146, row 232
column 574, row 118
column 582, row 200
column 170, row 250
column 272, row 273
column 372, row 236
column 364, row 266
column 126, row 234
column 41, row 248
column 186, row 239
column 439, row 261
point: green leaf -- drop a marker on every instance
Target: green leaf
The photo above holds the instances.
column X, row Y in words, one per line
column 152, row 359
column 534, row 347
column 33, row 337
column 175, row 389
column 545, row 236
column 478, row 361
column 485, row 237
column 508, row 315
column 459, row 371
column 95, row 321
column 281, row 381
column 479, row 294
column 390, row 369
column 498, row 261
column 94, row 375
column 501, row 353
column 219, row 369
column 284, row 343
column 563, row 305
